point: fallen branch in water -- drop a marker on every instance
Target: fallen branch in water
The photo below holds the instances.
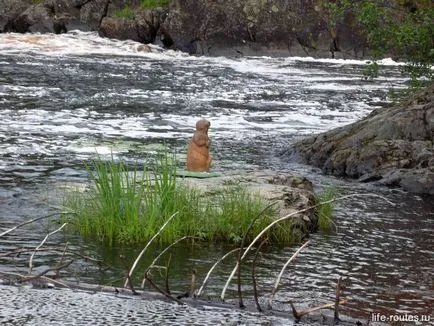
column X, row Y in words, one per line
column 57, row 269
column 161, row 254
column 166, row 276
column 43, row 278
column 30, row 221
column 41, row 244
column 279, row 277
column 240, row 257
column 291, row 215
column 212, row 268
column 255, row 291
column 167, row 295
column 130, row 273
column 299, row 314
column 337, row 299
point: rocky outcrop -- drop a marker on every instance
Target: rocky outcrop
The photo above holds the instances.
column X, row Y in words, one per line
column 285, row 27
column 142, row 28
column 291, row 194
column 393, row 146
column 282, row 27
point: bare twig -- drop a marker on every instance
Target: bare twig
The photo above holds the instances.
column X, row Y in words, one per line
column 146, row 247
column 193, row 283
column 240, row 252
column 337, row 299
column 30, row 221
column 212, row 268
column 161, row 254
column 167, row 295
column 41, row 244
column 299, row 314
column 44, row 278
column 255, row 291
column 166, row 278
column 57, row 269
column 61, row 260
column 279, row 277
column 49, row 249
column 269, row 226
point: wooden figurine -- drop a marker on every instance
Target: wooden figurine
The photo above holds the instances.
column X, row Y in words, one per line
column 198, row 157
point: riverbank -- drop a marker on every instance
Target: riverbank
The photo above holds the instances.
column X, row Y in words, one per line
column 207, row 28
column 393, row 146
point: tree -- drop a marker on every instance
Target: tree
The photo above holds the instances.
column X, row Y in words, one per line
column 402, row 29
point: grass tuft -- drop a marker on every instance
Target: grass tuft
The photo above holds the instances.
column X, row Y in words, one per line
column 126, row 12
column 130, row 204
column 151, row 4
column 325, row 211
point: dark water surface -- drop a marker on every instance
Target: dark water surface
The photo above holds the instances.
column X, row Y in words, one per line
column 66, row 98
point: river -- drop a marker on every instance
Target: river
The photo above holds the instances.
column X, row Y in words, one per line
column 65, row 99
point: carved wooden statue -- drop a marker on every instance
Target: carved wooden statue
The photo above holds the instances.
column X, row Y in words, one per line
column 198, row 157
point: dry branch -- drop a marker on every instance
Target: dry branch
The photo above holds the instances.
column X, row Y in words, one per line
column 279, row 277
column 130, row 273
column 30, row 221
column 212, row 268
column 255, row 291
column 161, row 254
column 167, row 295
column 269, row 226
column 240, row 252
column 41, row 244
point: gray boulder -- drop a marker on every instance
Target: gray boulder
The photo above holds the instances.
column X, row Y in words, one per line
column 394, row 146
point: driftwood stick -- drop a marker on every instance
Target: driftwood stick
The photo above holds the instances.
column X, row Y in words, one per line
column 44, row 278
column 167, row 295
column 337, row 300
column 212, row 268
column 255, row 291
column 50, row 249
column 193, row 284
column 57, row 269
column 166, row 277
column 130, row 273
column 61, row 260
column 30, row 221
column 279, row 277
column 161, row 254
column 240, row 252
column 41, row 244
column 269, row 226
column 324, row 306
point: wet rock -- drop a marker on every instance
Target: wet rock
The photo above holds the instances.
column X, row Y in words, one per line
column 292, row 193
column 142, row 28
column 394, row 145
column 253, row 26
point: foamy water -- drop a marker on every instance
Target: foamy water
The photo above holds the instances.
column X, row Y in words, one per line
column 67, row 98
column 78, row 93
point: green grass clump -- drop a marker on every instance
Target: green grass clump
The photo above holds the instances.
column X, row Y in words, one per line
column 126, row 12
column 129, row 205
column 151, row 4
column 325, row 211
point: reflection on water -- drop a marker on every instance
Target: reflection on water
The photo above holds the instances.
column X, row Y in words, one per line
column 61, row 106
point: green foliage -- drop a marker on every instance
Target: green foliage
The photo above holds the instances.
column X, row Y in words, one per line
column 150, row 4
column 403, row 33
column 130, row 205
column 334, row 13
column 36, row 2
column 126, row 12
column 325, row 211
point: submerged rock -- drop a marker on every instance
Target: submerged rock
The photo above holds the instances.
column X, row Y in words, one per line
column 393, row 146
